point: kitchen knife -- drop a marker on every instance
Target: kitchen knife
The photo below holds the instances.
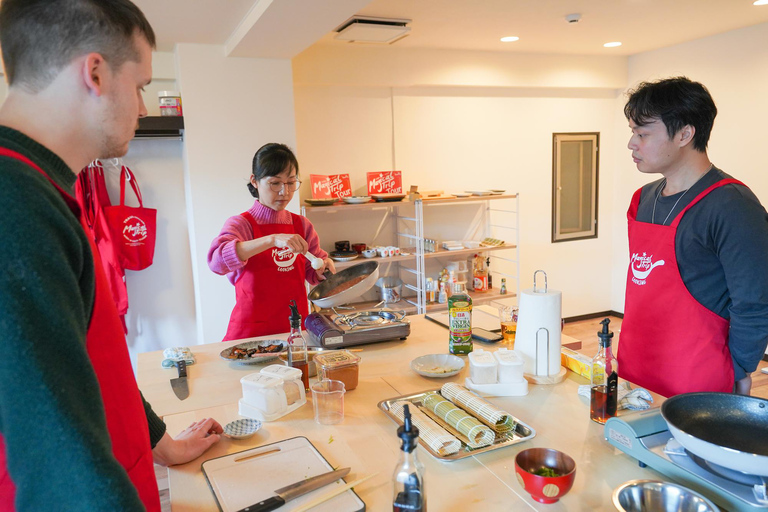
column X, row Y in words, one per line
column 292, row 491
column 180, row 385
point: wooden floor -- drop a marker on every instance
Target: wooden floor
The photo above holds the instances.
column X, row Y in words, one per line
column 583, row 330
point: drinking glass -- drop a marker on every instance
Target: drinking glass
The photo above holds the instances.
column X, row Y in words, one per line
column 328, row 401
column 508, row 319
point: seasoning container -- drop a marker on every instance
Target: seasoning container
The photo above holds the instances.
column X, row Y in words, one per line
column 510, row 366
column 297, row 345
column 170, row 103
column 292, row 382
column 483, row 367
column 605, row 379
column 409, row 494
column 339, row 365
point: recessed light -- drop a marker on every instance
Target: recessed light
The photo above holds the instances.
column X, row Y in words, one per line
column 509, row 39
column 760, row 2
column 613, row 44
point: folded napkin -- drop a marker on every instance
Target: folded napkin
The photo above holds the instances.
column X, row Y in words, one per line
column 175, row 354
column 498, row 420
column 637, row 399
column 430, row 432
column 478, row 435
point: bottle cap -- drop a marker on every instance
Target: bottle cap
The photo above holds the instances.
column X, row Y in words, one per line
column 408, row 432
column 605, row 335
column 295, row 317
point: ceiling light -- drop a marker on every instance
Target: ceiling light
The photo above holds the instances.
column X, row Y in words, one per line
column 613, row 44
column 509, row 39
column 760, row 2
column 359, row 29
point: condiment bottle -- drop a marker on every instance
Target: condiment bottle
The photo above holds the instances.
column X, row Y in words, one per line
column 409, row 494
column 459, row 321
column 503, row 290
column 605, row 379
column 488, row 271
column 297, row 346
column 430, row 290
column 442, row 296
column 480, row 276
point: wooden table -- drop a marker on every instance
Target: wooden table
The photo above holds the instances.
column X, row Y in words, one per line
column 366, row 439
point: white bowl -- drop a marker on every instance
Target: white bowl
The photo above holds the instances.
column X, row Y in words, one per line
column 437, row 365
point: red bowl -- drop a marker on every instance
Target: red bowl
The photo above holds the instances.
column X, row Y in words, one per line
column 545, row 489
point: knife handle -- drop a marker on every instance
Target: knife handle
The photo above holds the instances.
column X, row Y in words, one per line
column 182, row 365
column 266, row 505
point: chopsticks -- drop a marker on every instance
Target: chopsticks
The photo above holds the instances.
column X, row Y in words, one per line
column 335, row 492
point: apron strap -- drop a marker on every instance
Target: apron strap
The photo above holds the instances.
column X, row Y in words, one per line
column 721, row 183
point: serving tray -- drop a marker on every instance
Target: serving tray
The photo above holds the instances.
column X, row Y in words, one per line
column 522, row 431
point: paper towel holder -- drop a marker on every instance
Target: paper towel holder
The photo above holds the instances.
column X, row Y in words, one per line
column 543, row 379
column 536, row 291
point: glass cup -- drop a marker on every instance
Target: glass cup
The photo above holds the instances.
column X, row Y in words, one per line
column 328, row 401
column 508, row 319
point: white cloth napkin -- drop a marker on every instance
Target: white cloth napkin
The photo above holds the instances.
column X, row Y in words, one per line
column 637, row 399
column 173, row 355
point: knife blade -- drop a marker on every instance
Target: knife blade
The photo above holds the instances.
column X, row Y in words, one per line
column 289, row 492
column 180, row 385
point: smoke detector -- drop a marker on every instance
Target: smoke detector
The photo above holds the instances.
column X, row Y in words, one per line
column 366, row 29
column 573, row 18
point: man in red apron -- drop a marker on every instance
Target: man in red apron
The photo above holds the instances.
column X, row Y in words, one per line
column 696, row 314
column 73, row 430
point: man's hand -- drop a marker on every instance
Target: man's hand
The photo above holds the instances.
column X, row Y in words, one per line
column 188, row 445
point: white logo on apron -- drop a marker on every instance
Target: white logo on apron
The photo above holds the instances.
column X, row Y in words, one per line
column 641, row 266
column 283, row 259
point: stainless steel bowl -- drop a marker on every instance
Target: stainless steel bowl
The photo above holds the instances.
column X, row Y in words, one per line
column 656, row 496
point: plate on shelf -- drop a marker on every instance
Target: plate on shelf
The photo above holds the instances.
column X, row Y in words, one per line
column 387, row 197
column 462, row 194
column 254, row 352
column 343, row 255
column 356, row 199
column 480, row 192
column 437, row 365
column 497, row 191
column 321, row 202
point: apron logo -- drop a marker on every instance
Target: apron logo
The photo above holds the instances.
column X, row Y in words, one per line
column 283, row 259
column 642, row 266
column 134, row 229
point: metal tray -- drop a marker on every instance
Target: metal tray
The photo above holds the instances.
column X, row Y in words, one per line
column 522, row 431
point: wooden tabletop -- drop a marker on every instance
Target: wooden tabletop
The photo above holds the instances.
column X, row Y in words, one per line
column 366, row 440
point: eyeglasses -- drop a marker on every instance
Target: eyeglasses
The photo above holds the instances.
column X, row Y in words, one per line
column 290, row 186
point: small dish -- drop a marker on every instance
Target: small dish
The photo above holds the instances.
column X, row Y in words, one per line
column 343, row 255
column 260, row 351
column 480, row 192
column 387, row 197
column 498, row 191
column 370, row 253
column 242, row 428
column 357, row 199
column 461, row 194
column 437, row 365
column 321, row 202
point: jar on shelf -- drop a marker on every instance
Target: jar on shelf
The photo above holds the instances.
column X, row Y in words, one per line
column 170, row 103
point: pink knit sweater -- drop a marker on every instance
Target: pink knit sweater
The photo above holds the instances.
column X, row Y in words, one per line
column 222, row 258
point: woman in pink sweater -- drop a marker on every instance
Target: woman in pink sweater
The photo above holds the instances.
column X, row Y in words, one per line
column 261, row 250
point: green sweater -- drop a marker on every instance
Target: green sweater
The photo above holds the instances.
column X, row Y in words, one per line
column 51, row 414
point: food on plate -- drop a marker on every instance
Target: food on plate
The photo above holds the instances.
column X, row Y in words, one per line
column 345, row 286
column 244, row 353
column 439, row 369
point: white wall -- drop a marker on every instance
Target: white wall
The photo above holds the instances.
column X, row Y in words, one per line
column 734, row 67
column 466, row 120
column 232, row 106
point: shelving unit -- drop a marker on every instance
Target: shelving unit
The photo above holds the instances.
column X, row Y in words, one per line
column 406, row 224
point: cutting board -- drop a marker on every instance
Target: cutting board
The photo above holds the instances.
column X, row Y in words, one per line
column 242, row 479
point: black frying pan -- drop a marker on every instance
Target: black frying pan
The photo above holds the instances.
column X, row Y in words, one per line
column 729, row 430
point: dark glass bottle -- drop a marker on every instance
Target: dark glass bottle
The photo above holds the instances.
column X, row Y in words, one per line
column 603, row 401
column 409, row 494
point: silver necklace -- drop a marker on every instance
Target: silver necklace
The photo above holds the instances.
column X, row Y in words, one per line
column 658, row 193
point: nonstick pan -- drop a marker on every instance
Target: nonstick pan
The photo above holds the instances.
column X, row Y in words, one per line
column 324, row 296
column 726, row 429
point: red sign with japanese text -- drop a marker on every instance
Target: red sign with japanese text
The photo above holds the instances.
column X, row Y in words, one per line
column 335, row 185
column 385, row 182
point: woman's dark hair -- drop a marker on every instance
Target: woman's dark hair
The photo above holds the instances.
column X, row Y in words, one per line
column 677, row 102
column 270, row 160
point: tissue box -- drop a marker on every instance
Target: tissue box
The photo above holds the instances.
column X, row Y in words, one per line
column 576, row 362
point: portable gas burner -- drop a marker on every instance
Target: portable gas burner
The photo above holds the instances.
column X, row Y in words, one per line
column 646, row 437
column 358, row 328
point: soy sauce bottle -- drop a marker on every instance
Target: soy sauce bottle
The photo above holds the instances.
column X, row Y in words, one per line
column 409, row 495
column 297, row 346
column 605, row 379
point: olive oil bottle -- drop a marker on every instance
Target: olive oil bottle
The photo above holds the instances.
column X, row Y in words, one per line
column 459, row 321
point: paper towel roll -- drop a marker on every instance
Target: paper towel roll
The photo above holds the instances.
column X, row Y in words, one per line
column 536, row 310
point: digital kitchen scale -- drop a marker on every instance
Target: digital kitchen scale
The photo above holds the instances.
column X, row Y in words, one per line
column 358, row 328
column 646, row 437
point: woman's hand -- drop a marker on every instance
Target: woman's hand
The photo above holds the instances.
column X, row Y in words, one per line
column 327, row 264
column 188, row 445
column 290, row 241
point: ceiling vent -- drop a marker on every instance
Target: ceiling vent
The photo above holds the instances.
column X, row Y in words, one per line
column 363, row 29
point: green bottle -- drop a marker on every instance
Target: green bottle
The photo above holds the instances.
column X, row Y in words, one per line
column 459, row 321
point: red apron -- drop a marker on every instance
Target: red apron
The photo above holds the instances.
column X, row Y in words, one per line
column 108, row 352
column 669, row 343
column 266, row 286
